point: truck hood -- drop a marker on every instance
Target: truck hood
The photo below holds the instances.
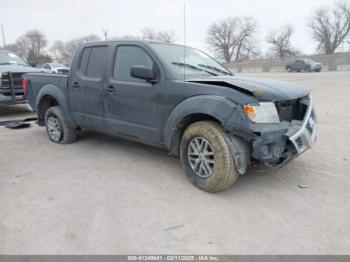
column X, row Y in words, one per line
column 261, row 89
column 18, row 69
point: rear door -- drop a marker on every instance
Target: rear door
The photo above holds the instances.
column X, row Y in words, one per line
column 132, row 106
column 86, row 87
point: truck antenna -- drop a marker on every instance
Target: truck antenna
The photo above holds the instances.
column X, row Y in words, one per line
column 184, row 40
column 3, row 35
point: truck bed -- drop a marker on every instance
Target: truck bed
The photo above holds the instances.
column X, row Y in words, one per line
column 38, row 80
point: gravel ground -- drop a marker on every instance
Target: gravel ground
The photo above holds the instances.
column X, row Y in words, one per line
column 103, row 195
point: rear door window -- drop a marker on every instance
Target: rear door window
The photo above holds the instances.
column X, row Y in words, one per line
column 93, row 61
column 84, row 60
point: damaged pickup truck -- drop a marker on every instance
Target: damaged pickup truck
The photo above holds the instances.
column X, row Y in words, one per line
column 180, row 99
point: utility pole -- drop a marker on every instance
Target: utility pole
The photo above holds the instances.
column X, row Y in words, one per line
column 105, row 32
column 3, row 35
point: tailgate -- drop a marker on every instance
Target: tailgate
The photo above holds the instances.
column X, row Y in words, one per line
column 37, row 81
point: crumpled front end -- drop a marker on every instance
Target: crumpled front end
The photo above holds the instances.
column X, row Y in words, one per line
column 276, row 144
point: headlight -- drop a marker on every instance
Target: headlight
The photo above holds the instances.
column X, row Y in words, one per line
column 264, row 113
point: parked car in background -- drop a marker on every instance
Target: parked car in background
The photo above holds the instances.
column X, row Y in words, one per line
column 55, row 68
column 12, row 68
column 304, row 64
column 217, row 123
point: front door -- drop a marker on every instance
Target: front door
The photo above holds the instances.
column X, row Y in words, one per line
column 86, row 87
column 132, row 106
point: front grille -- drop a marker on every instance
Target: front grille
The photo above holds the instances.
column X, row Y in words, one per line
column 11, row 84
column 291, row 110
column 16, row 79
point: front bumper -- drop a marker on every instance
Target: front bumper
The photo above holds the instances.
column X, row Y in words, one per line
column 11, row 99
column 277, row 144
column 306, row 134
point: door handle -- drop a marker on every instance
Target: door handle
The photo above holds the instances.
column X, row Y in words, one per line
column 111, row 89
column 75, row 85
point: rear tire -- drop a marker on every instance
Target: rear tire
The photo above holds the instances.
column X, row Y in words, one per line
column 206, row 157
column 57, row 128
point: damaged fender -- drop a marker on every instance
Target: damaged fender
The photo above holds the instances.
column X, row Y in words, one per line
column 217, row 107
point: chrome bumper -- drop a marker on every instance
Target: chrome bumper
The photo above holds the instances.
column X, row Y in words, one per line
column 11, row 99
column 306, row 134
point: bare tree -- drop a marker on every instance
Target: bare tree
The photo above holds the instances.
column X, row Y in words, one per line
column 63, row 52
column 250, row 50
column 31, row 46
column 331, row 27
column 231, row 36
column 127, row 37
column 280, row 42
column 247, row 29
column 161, row 35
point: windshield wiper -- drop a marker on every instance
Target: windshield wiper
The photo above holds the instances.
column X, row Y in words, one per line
column 215, row 69
column 193, row 67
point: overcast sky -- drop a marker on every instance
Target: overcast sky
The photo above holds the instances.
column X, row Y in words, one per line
column 67, row 19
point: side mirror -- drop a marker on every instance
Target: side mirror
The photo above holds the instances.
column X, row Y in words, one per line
column 143, row 72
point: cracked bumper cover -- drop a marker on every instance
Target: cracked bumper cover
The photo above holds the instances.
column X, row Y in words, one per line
column 279, row 143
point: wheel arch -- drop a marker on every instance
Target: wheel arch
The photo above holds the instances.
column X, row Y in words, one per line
column 194, row 109
column 45, row 102
column 51, row 95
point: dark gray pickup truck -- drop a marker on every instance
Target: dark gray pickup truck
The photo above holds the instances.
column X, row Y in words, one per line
column 304, row 64
column 179, row 99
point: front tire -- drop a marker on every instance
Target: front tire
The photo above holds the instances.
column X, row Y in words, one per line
column 206, row 157
column 57, row 128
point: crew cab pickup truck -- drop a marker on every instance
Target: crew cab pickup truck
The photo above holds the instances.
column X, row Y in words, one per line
column 180, row 99
column 304, row 64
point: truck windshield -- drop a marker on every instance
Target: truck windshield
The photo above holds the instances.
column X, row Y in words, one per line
column 8, row 58
column 188, row 62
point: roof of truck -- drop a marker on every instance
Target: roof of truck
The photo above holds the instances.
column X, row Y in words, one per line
column 132, row 41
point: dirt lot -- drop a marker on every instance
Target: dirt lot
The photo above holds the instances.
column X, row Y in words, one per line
column 105, row 195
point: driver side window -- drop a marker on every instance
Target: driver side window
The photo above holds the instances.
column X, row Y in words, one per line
column 126, row 57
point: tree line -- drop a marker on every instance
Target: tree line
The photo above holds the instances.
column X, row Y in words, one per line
column 234, row 38
column 231, row 39
column 33, row 45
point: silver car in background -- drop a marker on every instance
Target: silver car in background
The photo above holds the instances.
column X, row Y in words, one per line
column 55, row 68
